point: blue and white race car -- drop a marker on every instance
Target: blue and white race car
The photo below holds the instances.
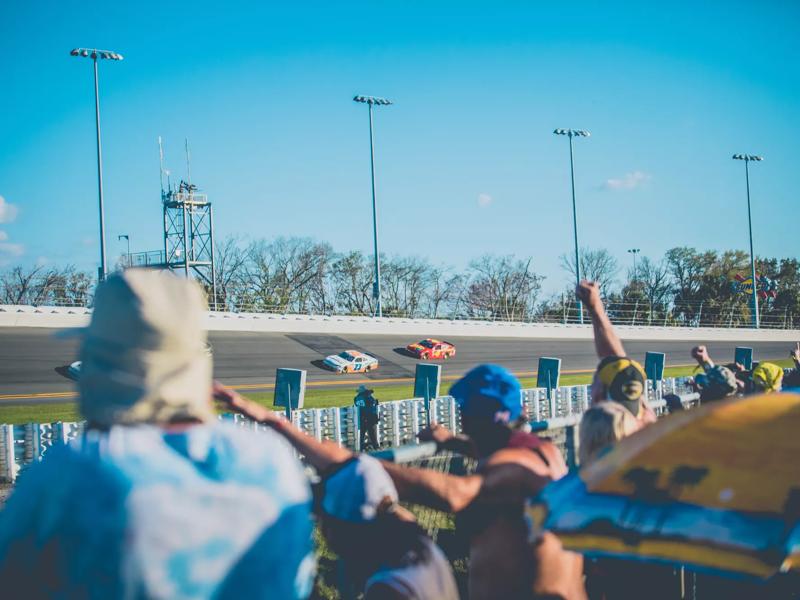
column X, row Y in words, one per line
column 351, row 361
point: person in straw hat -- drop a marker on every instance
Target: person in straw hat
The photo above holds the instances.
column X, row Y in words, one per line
column 157, row 498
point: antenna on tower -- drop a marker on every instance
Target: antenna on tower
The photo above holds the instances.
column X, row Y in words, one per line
column 161, row 163
column 188, row 164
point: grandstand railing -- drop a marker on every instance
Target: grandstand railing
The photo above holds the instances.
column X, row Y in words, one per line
column 400, row 422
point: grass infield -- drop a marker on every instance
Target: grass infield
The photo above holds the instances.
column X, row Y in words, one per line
column 315, row 398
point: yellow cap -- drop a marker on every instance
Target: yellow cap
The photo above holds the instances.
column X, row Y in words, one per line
column 768, row 377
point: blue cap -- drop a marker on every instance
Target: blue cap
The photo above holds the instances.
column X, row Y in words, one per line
column 487, row 390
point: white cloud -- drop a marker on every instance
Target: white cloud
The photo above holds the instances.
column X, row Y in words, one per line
column 8, row 211
column 9, row 249
column 629, row 181
column 484, row 200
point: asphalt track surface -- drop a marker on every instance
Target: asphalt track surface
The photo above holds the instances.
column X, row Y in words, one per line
column 32, row 360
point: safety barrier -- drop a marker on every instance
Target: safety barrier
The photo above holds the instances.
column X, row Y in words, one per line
column 400, row 421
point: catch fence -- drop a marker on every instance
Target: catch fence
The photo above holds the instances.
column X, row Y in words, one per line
column 722, row 314
column 400, row 422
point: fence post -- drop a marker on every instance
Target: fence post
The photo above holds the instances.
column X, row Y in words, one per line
column 396, row 423
column 337, row 426
column 8, row 466
column 414, row 418
column 315, row 424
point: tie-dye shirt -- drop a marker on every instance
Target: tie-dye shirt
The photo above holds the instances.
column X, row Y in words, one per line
column 140, row 512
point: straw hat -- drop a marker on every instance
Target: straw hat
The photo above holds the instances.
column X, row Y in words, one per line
column 143, row 354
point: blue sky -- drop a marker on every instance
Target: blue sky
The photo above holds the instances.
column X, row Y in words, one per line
column 467, row 162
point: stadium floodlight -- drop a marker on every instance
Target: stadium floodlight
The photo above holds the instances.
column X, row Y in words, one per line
column 571, row 133
column 96, row 55
column 748, row 158
column 634, row 251
column 371, row 101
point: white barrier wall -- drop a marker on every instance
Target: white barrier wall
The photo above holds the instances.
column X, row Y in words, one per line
column 29, row 316
column 400, row 421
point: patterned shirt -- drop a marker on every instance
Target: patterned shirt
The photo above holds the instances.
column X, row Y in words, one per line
column 143, row 512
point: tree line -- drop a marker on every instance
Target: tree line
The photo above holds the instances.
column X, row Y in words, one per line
column 306, row 276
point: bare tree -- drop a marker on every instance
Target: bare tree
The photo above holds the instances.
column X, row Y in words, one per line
column 596, row 265
column 229, row 267
column 443, row 292
column 283, row 274
column 502, row 288
column 352, row 280
column 652, row 283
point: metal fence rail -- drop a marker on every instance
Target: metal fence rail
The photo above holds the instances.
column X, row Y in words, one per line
column 400, row 421
column 730, row 314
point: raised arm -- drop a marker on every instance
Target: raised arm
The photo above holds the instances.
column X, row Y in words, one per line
column 441, row 491
column 606, row 340
column 320, row 454
column 700, row 354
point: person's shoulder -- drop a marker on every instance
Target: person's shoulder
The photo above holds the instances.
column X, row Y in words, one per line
column 544, row 460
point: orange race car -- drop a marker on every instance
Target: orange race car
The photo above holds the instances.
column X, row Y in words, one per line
column 432, row 349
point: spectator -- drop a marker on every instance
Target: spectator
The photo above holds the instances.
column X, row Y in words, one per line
column 716, row 382
column 792, row 378
column 157, row 499
column 367, row 406
column 767, row 377
column 386, row 554
column 617, row 378
column 603, row 425
column 512, row 466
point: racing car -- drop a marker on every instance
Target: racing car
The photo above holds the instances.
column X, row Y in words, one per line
column 351, row 361
column 432, row 349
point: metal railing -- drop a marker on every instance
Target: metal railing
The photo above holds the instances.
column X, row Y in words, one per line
column 731, row 315
column 400, row 421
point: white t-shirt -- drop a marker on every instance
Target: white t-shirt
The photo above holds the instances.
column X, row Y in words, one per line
column 429, row 579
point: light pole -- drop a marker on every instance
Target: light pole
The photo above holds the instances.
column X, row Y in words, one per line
column 747, row 158
column 370, row 101
column 96, row 54
column 128, row 241
column 570, row 133
column 634, row 251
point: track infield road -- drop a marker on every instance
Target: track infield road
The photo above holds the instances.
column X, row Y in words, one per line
column 31, row 359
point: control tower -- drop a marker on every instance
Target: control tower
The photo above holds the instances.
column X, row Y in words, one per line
column 188, row 231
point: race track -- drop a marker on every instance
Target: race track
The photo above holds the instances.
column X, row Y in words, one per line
column 31, row 358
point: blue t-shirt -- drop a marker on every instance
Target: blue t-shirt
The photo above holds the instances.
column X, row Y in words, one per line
column 140, row 512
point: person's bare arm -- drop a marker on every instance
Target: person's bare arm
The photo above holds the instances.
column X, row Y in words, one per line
column 606, row 340
column 447, row 440
column 320, row 454
column 441, row 491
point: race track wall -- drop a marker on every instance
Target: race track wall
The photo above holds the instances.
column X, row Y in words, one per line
column 28, row 316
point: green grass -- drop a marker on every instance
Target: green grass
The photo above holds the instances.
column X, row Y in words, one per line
column 315, row 398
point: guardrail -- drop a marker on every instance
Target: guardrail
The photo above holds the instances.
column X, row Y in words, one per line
column 400, row 421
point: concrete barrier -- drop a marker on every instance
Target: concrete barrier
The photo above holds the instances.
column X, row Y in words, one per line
column 57, row 317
